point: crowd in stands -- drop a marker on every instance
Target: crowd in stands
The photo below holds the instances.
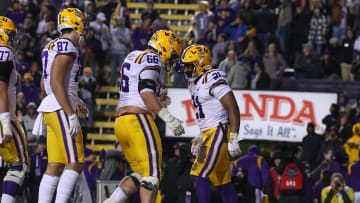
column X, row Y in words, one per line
column 255, row 42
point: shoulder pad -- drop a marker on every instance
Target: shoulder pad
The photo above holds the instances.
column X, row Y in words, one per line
column 149, row 59
column 63, row 46
column 6, row 53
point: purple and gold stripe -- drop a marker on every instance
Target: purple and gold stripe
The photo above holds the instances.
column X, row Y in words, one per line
column 147, row 144
column 219, row 149
column 64, row 136
column 138, row 59
column 21, row 138
column 156, row 149
column 73, row 142
column 210, row 153
column 17, row 144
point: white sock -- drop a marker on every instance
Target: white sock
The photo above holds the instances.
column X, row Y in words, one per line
column 47, row 188
column 5, row 198
column 119, row 195
column 66, row 185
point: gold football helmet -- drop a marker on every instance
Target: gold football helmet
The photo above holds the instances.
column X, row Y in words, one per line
column 199, row 58
column 7, row 31
column 74, row 19
column 167, row 44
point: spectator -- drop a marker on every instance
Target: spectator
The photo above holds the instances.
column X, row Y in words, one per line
column 218, row 51
column 326, row 164
column 94, row 51
column 237, row 76
column 114, row 166
column 31, row 91
column 29, row 121
column 311, row 144
column 228, row 62
column 318, row 30
column 208, row 40
column 346, row 55
column 334, row 48
column 261, row 81
column 20, row 104
column 251, row 36
column 22, row 66
column 252, row 54
column 264, row 23
column 284, row 24
column 123, row 12
column 223, row 16
column 142, row 34
column 119, row 47
column 149, row 12
column 341, row 165
column 16, row 13
column 355, row 179
column 91, row 171
column 29, row 26
column 35, row 73
column 306, row 64
column 32, row 52
column 102, row 33
column 245, row 191
column 273, row 61
column 345, row 128
column 332, row 140
column 87, row 90
column 90, row 12
column 352, row 145
column 299, row 28
column 237, row 31
column 273, row 186
column 51, row 30
column 330, row 66
column 337, row 191
column 343, row 102
column 247, row 11
column 160, row 24
column 39, row 161
column 44, row 18
column 332, row 118
column 321, row 184
column 256, row 167
column 339, row 15
column 202, row 21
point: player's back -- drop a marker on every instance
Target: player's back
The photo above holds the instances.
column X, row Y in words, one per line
column 7, row 55
column 135, row 64
column 60, row 46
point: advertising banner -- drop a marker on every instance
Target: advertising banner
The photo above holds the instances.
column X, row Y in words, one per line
column 265, row 115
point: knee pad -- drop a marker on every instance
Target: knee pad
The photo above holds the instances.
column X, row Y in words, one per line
column 136, row 178
column 150, row 183
column 16, row 176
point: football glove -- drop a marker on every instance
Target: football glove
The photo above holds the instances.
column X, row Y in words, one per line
column 74, row 125
column 234, row 146
column 196, row 142
column 172, row 122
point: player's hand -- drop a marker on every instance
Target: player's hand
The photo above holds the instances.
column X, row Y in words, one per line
column 233, row 136
column 81, row 109
column 196, row 142
column 234, row 148
column 172, row 122
column 6, row 128
column 74, row 125
column 164, row 99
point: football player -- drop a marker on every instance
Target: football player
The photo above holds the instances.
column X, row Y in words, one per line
column 61, row 72
column 218, row 117
column 13, row 147
column 139, row 103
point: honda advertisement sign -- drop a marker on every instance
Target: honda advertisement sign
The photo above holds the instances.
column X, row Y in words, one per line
column 265, row 115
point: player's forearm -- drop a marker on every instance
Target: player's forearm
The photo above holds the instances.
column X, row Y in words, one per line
column 4, row 99
column 151, row 101
column 62, row 97
column 234, row 117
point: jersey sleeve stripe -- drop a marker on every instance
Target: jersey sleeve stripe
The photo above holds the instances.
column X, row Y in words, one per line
column 154, row 68
column 220, row 82
column 12, row 49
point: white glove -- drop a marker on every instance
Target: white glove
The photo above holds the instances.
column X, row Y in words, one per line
column 81, row 109
column 196, row 142
column 233, row 145
column 173, row 123
column 74, row 125
column 6, row 127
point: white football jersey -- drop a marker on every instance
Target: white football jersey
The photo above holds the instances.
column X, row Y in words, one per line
column 7, row 54
column 48, row 55
column 206, row 93
column 138, row 65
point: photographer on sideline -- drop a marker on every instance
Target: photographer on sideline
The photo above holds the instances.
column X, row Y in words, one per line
column 337, row 191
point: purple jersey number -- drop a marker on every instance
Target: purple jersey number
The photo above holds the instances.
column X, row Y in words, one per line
column 124, row 81
column 44, row 57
